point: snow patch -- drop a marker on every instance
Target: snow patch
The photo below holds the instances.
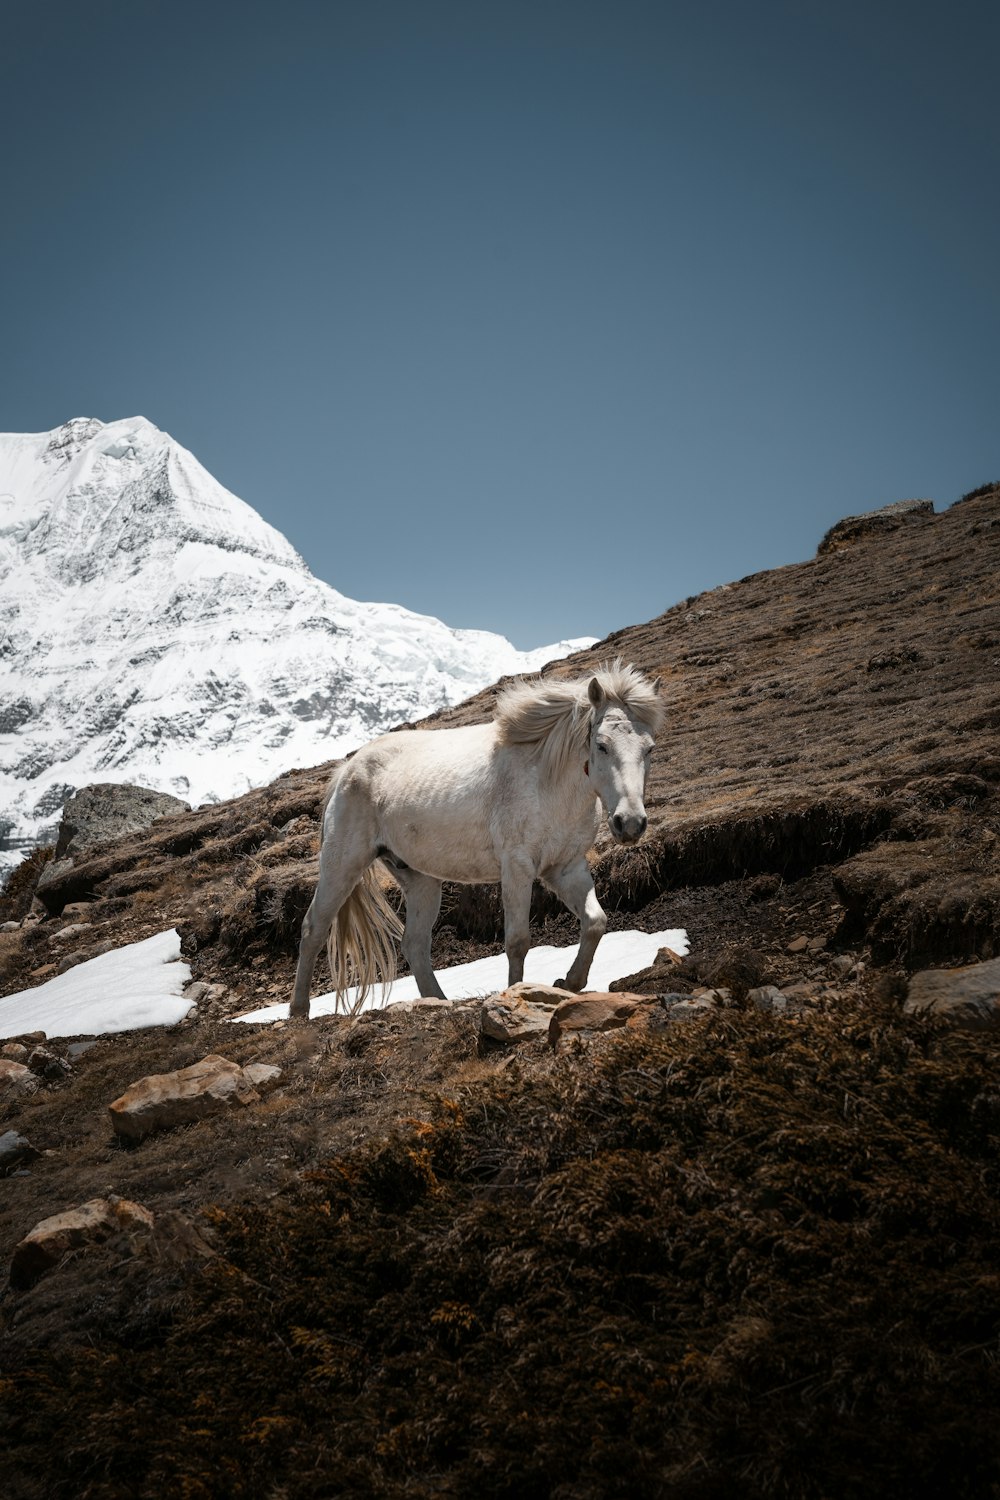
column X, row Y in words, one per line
column 619, row 953
column 131, row 987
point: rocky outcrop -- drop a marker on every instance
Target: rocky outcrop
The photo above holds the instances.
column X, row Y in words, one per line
column 871, row 522
column 110, row 810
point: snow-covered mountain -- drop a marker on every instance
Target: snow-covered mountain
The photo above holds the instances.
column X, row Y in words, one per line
column 155, row 629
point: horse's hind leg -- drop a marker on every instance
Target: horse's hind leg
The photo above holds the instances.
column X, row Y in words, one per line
column 423, row 902
column 574, row 886
column 516, row 879
column 340, row 870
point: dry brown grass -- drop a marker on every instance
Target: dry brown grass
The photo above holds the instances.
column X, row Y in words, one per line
column 743, row 1257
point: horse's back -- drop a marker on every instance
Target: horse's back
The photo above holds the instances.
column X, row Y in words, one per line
column 431, row 793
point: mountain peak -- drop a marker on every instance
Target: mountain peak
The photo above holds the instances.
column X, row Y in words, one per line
column 155, row 628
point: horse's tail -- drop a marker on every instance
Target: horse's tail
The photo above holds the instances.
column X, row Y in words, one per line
column 362, row 942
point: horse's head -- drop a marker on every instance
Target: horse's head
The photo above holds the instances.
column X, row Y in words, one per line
column 618, row 763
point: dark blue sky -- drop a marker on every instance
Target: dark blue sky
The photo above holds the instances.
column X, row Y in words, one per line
column 537, row 317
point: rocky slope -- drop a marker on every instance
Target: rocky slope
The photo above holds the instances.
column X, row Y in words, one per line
column 154, row 629
column 753, row 1252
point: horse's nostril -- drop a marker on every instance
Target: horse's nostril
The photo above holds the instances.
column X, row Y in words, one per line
column 643, row 824
column 617, row 823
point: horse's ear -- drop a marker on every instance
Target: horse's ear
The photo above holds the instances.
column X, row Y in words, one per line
column 656, row 684
column 595, row 692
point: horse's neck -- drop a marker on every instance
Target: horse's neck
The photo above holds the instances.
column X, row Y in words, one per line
column 572, row 790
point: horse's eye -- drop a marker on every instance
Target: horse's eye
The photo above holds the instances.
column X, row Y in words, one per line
column 603, row 749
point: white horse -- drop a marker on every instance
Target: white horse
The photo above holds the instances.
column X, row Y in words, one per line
column 514, row 800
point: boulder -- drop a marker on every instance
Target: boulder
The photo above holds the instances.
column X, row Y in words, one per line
column 94, row 1221
column 522, row 1011
column 15, row 1150
column 163, row 1100
column 515, row 1019
column 16, row 1079
column 963, row 997
column 107, row 811
column 596, row 1011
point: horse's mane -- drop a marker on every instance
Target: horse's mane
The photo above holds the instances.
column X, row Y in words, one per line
column 555, row 713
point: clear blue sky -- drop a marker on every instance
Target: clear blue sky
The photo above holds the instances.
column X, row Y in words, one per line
column 534, row 316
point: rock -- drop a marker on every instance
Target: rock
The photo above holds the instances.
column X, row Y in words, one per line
column 77, row 1049
column 45, row 1064
column 262, row 1076
column 50, row 883
column 686, row 1007
column 523, row 1010
column 670, row 1009
column 163, row 1100
column 798, row 995
column 15, row 1150
column 201, row 993
column 426, row 1002
column 15, row 1078
column 70, row 961
column 51, row 1239
column 843, row 963
column 16, row 1050
column 509, row 1017
column 798, row 945
column 668, row 956
column 597, row 1011
column 963, row 997
column 768, row 997
column 816, row 944
column 9, row 926
column 43, row 971
column 78, row 910
column 106, row 811
column 537, row 994
column 72, row 930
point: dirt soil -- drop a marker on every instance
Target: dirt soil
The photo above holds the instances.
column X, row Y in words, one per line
column 755, row 1254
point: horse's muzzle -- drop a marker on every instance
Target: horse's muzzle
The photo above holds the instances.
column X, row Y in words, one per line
column 628, row 830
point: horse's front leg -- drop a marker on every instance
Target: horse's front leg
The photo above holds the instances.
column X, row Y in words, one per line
column 574, row 885
column 516, row 876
